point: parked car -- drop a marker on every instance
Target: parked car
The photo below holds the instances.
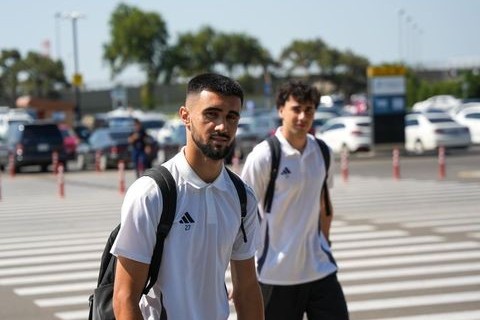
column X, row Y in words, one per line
column 70, row 141
column 13, row 117
column 347, row 133
column 110, row 144
column 428, row 131
column 171, row 138
column 34, row 144
column 3, row 154
column 470, row 117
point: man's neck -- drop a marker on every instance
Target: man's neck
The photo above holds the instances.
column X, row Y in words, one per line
column 297, row 141
column 206, row 169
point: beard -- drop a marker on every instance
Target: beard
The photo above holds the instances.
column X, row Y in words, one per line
column 209, row 150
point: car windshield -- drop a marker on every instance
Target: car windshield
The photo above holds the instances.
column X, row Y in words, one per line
column 440, row 120
column 121, row 136
column 152, row 124
column 363, row 124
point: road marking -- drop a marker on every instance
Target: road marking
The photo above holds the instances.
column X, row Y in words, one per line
column 41, row 251
column 400, row 217
column 454, row 220
column 461, row 229
column 368, row 235
column 412, row 285
column 70, row 287
column 49, row 278
column 52, row 243
column 72, row 315
column 462, row 315
column 48, row 235
column 48, row 259
column 406, row 272
column 57, row 302
column 350, row 229
column 384, row 242
column 409, row 259
column 413, row 301
column 16, row 271
column 395, row 250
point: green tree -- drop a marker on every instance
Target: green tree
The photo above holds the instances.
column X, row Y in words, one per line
column 35, row 75
column 195, row 52
column 137, row 38
column 43, row 76
column 9, row 69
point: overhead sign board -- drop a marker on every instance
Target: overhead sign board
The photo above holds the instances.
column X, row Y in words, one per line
column 386, row 91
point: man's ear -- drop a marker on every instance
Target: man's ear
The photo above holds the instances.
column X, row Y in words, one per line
column 184, row 115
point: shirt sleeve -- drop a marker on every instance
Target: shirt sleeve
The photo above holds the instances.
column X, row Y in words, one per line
column 140, row 215
column 256, row 172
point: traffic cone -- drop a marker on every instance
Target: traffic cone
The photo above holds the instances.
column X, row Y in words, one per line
column 396, row 163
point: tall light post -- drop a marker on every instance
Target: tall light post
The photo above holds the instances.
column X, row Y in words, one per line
column 77, row 80
column 401, row 12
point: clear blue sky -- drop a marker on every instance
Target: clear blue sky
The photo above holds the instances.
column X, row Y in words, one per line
column 440, row 32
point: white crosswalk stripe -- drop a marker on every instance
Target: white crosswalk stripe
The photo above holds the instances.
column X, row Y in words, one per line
column 406, row 250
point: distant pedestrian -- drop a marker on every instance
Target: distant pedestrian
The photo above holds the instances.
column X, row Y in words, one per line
column 138, row 140
column 208, row 232
column 295, row 265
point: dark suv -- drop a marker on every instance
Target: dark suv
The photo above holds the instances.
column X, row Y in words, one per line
column 34, row 144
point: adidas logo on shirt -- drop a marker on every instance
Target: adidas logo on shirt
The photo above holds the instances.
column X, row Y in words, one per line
column 187, row 220
column 285, row 172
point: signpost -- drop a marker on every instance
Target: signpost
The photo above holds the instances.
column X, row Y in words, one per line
column 386, row 94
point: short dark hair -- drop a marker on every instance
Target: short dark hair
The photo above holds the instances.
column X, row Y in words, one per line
column 298, row 90
column 215, row 83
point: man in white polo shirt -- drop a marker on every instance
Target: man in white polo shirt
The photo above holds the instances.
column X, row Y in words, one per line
column 206, row 233
column 295, row 266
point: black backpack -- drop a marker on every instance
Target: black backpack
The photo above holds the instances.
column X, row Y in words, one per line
column 100, row 301
column 274, row 145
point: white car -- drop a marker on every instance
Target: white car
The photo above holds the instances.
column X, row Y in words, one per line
column 347, row 133
column 428, row 131
column 470, row 117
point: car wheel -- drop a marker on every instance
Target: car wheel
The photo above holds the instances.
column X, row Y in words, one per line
column 44, row 168
column 418, row 147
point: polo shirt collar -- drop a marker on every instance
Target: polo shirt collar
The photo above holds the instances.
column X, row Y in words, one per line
column 190, row 177
column 287, row 147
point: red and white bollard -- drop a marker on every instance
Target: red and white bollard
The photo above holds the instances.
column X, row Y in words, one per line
column 55, row 162
column 441, row 163
column 61, row 181
column 344, row 165
column 121, row 175
column 396, row 163
column 98, row 155
column 11, row 165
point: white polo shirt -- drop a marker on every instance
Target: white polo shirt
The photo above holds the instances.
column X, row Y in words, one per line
column 204, row 237
column 296, row 252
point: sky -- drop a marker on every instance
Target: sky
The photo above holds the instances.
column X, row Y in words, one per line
column 431, row 33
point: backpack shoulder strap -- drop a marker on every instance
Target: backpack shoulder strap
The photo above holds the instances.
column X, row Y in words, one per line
column 326, row 158
column 168, row 188
column 275, row 151
column 107, row 257
column 242, row 195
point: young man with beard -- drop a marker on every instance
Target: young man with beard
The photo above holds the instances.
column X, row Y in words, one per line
column 191, row 281
column 295, row 266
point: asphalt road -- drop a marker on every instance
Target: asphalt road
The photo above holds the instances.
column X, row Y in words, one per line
column 408, row 248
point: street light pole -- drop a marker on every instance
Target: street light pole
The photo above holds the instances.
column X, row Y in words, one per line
column 77, row 77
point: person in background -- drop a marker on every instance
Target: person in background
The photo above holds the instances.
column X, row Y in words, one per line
column 138, row 142
column 208, row 232
column 295, row 265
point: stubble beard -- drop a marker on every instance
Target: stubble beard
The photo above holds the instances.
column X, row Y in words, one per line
column 209, row 151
